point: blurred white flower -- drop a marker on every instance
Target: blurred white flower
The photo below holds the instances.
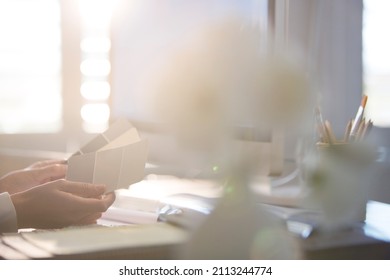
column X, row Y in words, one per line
column 281, row 92
column 222, row 80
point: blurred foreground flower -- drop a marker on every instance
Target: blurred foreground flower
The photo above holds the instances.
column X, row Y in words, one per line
column 222, row 80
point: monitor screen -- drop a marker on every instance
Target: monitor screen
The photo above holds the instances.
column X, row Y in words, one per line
column 145, row 34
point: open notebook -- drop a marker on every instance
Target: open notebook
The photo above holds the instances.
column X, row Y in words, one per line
column 144, row 202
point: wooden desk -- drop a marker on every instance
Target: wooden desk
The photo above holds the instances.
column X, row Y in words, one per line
column 368, row 240
column 364, row 241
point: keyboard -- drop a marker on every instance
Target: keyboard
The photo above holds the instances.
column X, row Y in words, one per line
column 154, row 241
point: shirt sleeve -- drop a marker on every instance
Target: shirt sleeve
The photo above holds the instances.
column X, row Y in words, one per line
column 8, row 221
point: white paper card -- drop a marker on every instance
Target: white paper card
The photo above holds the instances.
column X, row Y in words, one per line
column 115, row 158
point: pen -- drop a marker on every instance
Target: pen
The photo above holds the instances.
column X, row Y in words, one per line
column 358, row 118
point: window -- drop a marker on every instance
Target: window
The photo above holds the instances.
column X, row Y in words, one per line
column 30, row 68
column 376, row 46
column 54, row 72
column 95, row 65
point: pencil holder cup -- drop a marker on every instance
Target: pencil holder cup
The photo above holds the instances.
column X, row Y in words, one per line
column 337, row 180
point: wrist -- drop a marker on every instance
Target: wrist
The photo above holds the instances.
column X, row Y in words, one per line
column 7, row 214
column 6, row 183
column 19, row 202
column 3, row 185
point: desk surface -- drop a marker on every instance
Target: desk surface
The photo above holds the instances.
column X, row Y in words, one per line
column 368, row 240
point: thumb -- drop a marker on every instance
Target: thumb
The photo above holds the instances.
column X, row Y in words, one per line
column 83, row 189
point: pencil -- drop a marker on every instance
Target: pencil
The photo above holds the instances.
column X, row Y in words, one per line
column 367, row 129
column 361, row 129
column 347, row 131
column 320, row 125
column 329, row 133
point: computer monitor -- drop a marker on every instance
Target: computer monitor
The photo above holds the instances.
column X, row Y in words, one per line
column 145, row 34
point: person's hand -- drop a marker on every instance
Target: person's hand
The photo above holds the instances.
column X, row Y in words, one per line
column 61, row 203
column 36, row 174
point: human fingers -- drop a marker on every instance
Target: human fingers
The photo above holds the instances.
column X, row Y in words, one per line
column 44, row 163
column 50, row 173
column 109, row 198
column 82, row 189
column 90, row 205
